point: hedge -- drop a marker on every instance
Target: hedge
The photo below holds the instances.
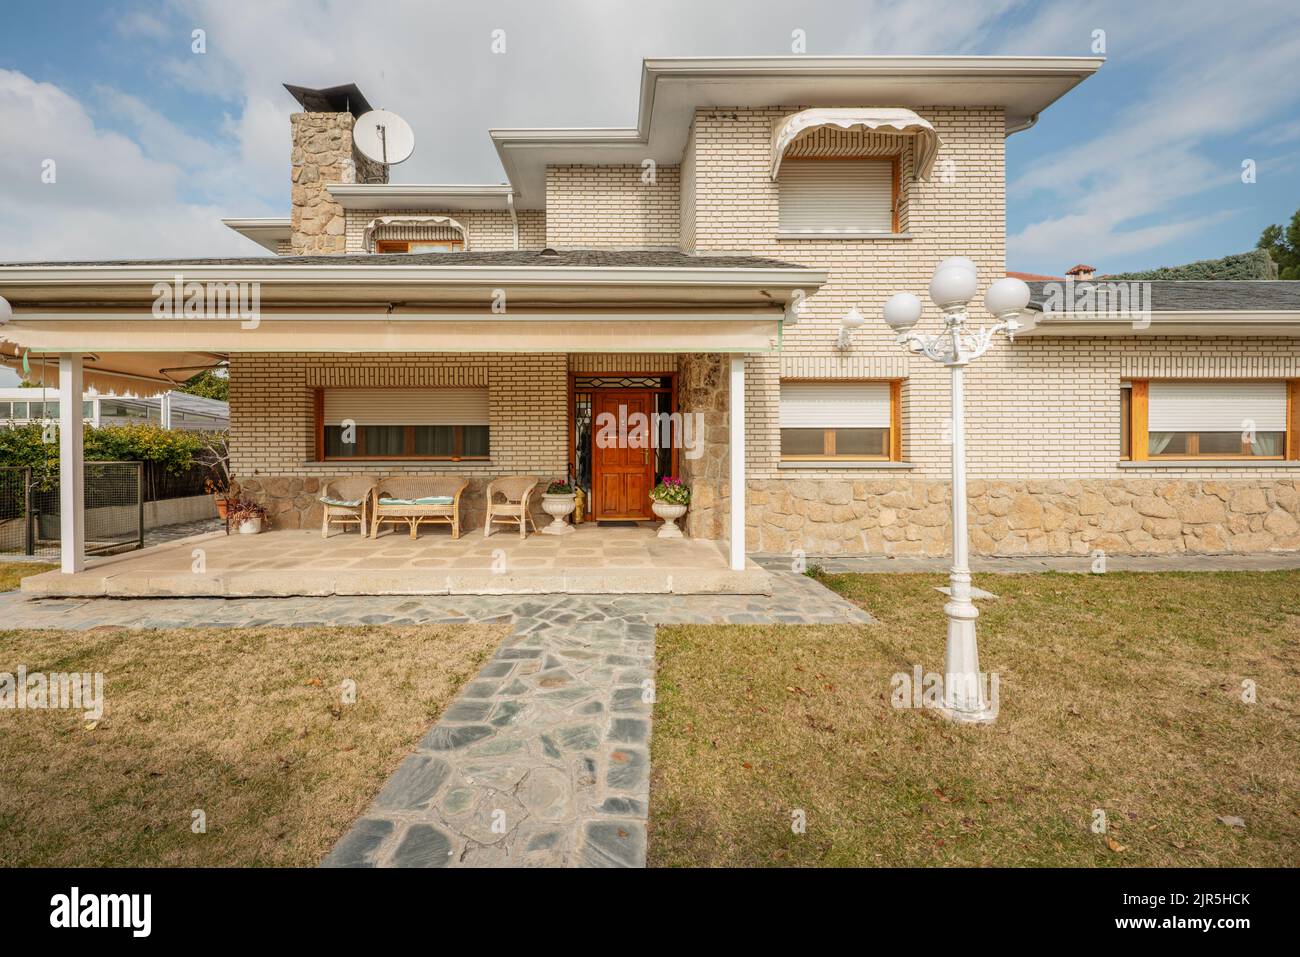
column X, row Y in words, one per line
column 1256, row 264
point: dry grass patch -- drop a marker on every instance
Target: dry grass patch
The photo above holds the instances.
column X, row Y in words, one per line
column 11, row 573
column 246, row 725
column 1120, row 692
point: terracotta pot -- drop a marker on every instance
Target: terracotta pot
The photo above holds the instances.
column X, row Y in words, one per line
column 223, row 506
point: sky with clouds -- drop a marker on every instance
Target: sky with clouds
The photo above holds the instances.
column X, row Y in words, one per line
column 154, row 144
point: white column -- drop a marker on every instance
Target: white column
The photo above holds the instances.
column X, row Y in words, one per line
column 165, row 410
column 737, row 438
column 72, row 473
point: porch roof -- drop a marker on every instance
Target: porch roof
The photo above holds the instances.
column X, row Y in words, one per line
column 515, row 301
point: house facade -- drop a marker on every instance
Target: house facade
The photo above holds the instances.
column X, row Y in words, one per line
column 698, row 269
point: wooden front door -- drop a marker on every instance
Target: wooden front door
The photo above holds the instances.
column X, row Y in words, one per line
column 621, row 477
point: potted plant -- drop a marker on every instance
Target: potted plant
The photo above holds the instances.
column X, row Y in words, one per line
column 669, row 500
column 219, row 485
column 247, row 516
column 558, row 502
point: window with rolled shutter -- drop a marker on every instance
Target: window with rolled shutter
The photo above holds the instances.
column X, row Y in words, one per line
column 837, row 196
column 403, row 423
column 1211, row 419
column 837, row 420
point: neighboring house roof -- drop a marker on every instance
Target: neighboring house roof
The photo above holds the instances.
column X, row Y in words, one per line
column 1075, row 270
column 1034, row 277
column 673, row 89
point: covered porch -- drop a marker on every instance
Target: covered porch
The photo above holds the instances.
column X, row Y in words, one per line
column 500, row 332
column 594, row 560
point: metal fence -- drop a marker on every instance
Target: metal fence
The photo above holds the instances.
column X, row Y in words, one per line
column 29, row 509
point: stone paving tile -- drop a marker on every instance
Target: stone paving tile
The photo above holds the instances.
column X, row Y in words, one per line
column 1081, row 564
column 542, row 760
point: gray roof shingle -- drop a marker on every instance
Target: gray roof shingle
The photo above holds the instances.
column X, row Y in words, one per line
column 1262, row 295
column 571, row 258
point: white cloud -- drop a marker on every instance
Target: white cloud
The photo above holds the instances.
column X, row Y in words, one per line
column 109, row 198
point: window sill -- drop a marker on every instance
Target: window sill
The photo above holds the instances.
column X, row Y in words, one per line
column 391, row 463
column 839, row 234
column 1211, row 464
column 823, row 464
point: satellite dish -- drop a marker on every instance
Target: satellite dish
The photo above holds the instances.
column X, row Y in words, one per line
column 383, row 137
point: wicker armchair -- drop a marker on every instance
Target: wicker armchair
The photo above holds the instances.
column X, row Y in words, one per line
column 414, row 500
column 515, row 491
column 346, row 501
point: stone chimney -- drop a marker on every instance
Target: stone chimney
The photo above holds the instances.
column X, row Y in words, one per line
column 323, row 153
column 1081, row 272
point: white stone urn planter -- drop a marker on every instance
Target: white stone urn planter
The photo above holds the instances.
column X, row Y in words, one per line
column 559, row 507
column 250, row 526
column 670, row 514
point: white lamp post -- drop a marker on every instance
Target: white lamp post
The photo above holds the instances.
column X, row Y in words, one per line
column 952, row 287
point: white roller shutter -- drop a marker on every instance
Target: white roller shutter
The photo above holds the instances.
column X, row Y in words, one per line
column 407, row 406
column 835, row 405
column 1216, row 406
column 836, row 195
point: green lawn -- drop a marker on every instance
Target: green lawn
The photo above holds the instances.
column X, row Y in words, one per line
column 1119, row 692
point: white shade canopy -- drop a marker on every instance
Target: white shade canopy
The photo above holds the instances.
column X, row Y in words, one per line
column 875, row 119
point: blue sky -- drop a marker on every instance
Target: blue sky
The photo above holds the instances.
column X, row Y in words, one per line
column 1139, row 167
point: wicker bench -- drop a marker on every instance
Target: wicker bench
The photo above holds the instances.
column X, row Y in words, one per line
column 415, row 500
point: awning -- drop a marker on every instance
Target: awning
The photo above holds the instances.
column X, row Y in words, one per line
column 142, row 374
column 872, row 119
column 176, row 343
column 414, row 227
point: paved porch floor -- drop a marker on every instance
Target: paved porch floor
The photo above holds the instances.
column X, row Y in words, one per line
column 591, row 560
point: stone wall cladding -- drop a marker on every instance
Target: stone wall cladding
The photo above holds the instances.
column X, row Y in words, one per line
column 485, row 229
column 612, row 207
column 322, row 153
column 1135, row 516
column 702, row 387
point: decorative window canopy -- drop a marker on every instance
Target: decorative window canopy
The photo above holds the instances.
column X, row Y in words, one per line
column 871, row 119
column 414, row 228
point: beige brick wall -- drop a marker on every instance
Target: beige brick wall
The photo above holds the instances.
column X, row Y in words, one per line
column 485, row 229
column 612, row 207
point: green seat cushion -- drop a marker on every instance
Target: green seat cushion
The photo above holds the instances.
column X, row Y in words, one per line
column 428, row 500
column 342, row 503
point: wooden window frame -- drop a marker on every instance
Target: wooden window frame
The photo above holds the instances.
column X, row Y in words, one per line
column 895, row 162
column 893, row 440
column 408, row 440
column 1140, row 432
column 404, row 245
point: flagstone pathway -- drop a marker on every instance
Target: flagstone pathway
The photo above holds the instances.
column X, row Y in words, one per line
column 544, row 757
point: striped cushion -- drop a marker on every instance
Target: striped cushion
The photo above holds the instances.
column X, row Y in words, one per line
column 428, row 500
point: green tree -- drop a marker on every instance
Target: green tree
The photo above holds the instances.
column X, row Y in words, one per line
column 1283, row 246
column 209, row 385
